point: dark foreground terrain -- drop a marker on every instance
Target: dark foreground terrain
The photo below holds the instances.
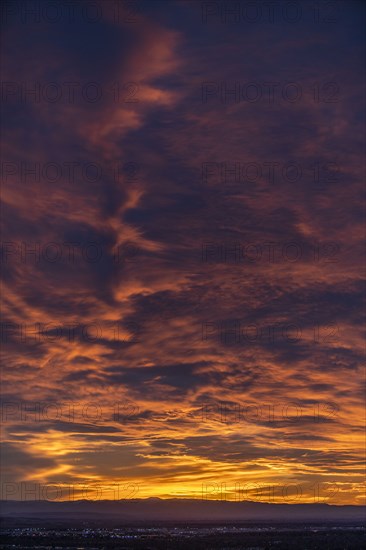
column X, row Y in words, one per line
column 180, row 524
column 255, row 537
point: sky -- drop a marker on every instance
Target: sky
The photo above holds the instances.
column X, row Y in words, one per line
column 182, row 250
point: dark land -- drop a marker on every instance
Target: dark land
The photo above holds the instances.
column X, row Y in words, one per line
column 180, row 524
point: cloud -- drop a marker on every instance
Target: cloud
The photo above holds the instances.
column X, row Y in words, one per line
column 174, row 271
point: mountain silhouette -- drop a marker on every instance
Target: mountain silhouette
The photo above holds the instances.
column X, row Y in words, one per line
column 176, row 510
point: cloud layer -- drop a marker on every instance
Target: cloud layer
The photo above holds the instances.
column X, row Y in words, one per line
column 182, row 252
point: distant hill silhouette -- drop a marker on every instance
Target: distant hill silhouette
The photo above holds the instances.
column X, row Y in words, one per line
column 175, row 510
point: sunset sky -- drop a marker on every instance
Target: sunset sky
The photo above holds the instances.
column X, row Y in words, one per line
column 182, row 250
